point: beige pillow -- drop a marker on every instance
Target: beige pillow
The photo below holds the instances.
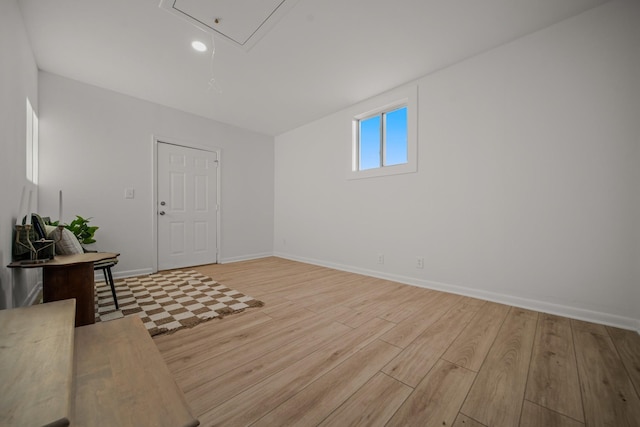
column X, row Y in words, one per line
column 66, row 243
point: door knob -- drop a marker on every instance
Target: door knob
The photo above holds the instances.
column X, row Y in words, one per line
column 161, row 212
column 162, row 203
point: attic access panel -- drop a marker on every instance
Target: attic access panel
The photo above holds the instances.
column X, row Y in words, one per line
column 243, row 22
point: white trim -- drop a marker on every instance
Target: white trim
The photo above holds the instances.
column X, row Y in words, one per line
column 245, row 257
column 407, row 95
column 154, row 202
column 33, row 295
column 541, row 306
column 23, row 278
column 98, row 277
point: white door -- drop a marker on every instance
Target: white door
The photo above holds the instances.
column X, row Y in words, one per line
column 187, row 206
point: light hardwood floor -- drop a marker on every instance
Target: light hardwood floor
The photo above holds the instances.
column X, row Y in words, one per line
column 332, row 348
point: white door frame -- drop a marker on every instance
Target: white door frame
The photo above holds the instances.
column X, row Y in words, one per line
column 154, row 197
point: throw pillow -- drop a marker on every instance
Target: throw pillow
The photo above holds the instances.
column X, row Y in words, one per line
column 66, row 242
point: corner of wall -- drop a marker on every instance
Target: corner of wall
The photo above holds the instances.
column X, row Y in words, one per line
column 19, row 81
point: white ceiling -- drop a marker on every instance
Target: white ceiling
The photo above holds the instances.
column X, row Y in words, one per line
column 321, row 56
column 243, row 22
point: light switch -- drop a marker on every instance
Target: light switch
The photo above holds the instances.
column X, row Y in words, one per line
column 128, row 193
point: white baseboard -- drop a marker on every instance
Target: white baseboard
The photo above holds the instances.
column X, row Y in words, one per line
column 144, row 271
column 32, row 298
column 542, row 306
column 122, row 274
column 245, row 257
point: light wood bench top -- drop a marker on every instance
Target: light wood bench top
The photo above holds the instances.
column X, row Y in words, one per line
column 122, row 380
column 36, row 364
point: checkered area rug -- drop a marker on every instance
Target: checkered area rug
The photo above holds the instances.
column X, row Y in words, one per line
column 170, row 300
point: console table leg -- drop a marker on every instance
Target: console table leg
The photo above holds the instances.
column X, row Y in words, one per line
column 72, row 281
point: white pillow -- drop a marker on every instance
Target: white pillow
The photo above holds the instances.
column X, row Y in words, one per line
column 65, row 241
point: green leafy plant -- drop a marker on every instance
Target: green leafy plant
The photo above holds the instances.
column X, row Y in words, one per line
column 82, row 230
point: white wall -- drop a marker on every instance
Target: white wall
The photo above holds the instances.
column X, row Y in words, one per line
column 527, row 182
column 95, row 143
column 18, row 80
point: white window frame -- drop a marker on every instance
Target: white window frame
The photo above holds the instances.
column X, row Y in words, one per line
column 406, row 96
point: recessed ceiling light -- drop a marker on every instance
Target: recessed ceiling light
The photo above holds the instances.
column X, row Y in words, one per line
column 199, row 46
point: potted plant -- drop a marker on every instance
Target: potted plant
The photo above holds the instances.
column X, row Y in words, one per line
column 82, row 230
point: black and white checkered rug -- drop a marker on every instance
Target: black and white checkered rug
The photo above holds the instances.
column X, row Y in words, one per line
column 170, row 300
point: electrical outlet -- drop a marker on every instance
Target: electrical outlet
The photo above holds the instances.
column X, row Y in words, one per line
column 380, row 259
column 419, row 262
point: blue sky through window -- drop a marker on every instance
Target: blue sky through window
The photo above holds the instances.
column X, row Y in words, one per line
column 370, row 140
column 370, row 143
column 396, row 128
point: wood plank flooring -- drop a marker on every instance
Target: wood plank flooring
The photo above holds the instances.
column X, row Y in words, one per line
column 331, row 348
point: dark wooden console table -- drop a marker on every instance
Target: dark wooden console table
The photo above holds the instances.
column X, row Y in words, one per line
column 70, row 276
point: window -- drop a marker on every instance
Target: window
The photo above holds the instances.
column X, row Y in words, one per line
column 32, row 144
column 384, row 138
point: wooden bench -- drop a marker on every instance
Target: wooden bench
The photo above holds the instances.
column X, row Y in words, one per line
column 36, row 364
column 107, row 374
column 122, row 380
